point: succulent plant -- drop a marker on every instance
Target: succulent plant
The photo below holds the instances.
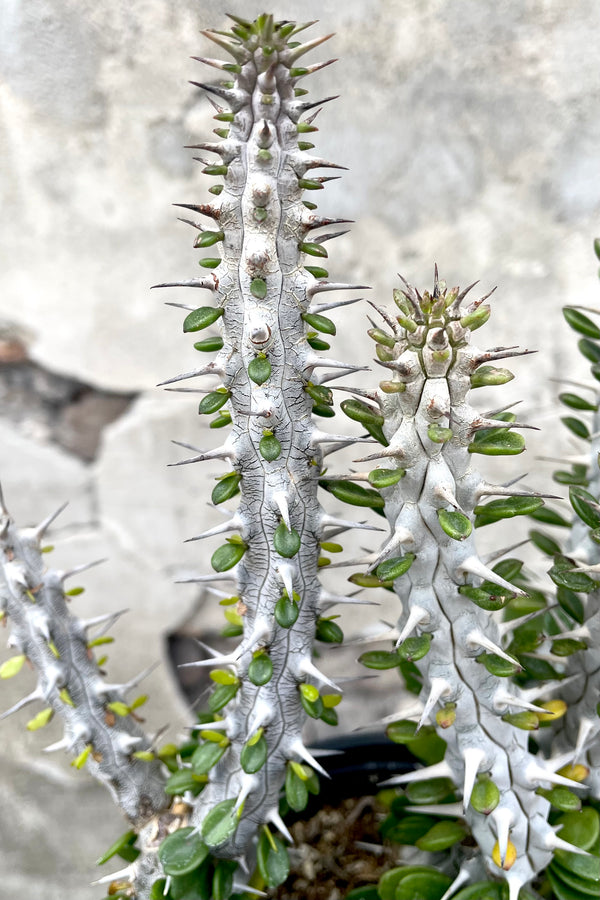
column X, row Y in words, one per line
column 201, row 814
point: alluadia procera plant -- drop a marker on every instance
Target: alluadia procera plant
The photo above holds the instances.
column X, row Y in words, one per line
column 264, row 305
column 448, row 591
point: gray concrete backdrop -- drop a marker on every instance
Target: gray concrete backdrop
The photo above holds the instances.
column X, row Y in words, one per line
column 471, row 131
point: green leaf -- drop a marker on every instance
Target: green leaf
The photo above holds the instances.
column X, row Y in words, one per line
column 585, row 505
column 286, row 543
column 382, row 478
column 544, row 543
column 226, row 488
column 571, row 604
column 221, row 696
column 315, row 342
column 206, row 756
column 208, row 238
column 548, row 516
column 506, row 508
column 313, row 249
column 390, row 880
column 209, row 344
column 362, row 412
column 494, row 442
column 415, row 648
column 296, row 791
column 213, row 401
column 455, row 524
column 562, row 889
column 126, row 840
column 158, row 889
column 438, row 434
column 581, row 323
column 483, row 599
column 41, row 719
column 576, row 426
column 222, row 883
column 224, row 418
column 434, row 790
column 580, row 828
column 269, row 448
column 228, row 555
column 431, row 886
column 589, row 349
column 319, row 393
column 380, row 659
column 562, row 575
column 366, row 892
column 485, row 795
column 477, row 318
column 409, row 829
column 328, row 632
column 587, row 867
column 201, row 318
column 254, row 756
column 574, row 401
column 316, row 271
column 220, row 823
column 354, row 494
column 260, row 670
column 181, row 781
column 182, row 851
column 442, row 836
column 286, row 611
column 12, row 666
column 197, row 885
column 272, row 859
column 486, row 375
column 567, row 646
column 319, row 323
column 259, row 369
column 561, row 798
column 258, row 288
column 497, row 666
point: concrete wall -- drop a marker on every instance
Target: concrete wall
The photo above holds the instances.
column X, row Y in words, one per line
column 471, row 132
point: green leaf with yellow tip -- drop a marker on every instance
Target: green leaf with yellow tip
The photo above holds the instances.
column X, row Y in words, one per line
column 315, row 342
column 227, row 487
column 228, row 555
column 213, row 401
column 12, row 666
column 455, row 524
column 286, row 543
column 182, row 851
column 328, row 632
column 206, row 756
column 319, row 323
column 220, row 823
column 496, row 442
column 269, row 447
column 490, row 375
column 254, row 755
column 296, row 791
column 217, row 737
column 258, row 288
column 259, row 369
column 273, row 864
column 223, row 419
column 41, row 719
column 201, row 318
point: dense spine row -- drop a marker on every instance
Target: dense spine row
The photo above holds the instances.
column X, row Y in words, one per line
column 99, row 728
column 263, row 305
column 448, row 591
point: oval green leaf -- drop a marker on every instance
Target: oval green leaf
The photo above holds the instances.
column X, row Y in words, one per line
column 201, row 318
column 182, row 852
column 220, row 823
column 286, row 543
